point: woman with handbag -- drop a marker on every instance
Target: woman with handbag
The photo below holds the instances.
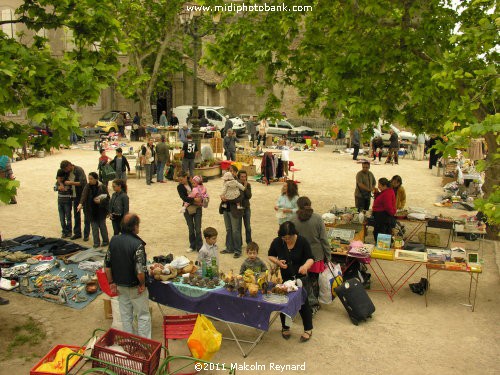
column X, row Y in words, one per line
column 310, row 225
column 193, row 216
column 118, row 205
column 292, row 253
column 95, row 201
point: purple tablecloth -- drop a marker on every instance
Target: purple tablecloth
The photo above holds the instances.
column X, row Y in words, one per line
column 227, row 306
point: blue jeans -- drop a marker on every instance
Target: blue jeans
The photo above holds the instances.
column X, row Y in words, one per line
column 161, row 168
column 233, row 233
column 246, row 223
column 64, row 208
column 77, row 229
column 194, row 227
column 132, row 303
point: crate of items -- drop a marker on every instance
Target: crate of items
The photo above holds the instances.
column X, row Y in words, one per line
column 140, row 354
column 55, row 360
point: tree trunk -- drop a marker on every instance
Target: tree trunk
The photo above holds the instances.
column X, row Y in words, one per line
column 145, row 103
column 492, row 177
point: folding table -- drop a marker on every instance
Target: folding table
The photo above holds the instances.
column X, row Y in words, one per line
column 227, row 307
column 474, row 273
column 391, row 288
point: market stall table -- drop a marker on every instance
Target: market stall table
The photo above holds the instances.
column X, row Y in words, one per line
column 227, row 307
column 473, row 271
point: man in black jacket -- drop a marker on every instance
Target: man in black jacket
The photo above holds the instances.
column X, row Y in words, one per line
column 77, row 180
column 126, row 271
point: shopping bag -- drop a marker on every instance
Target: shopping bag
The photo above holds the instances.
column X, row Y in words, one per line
column 205, row 340
column 108, row 173
column 329, row 279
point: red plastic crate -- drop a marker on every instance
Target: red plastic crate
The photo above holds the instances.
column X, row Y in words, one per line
column 144, row 354
column 225, row 164
column 50, row 356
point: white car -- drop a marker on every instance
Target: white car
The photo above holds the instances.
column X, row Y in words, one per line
column 294, row 133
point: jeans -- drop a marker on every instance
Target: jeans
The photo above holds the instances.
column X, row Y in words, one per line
column 188, row 166
column 261, row 138
column 161, row 168
column 99, row 225
column 231, row 155
column 149, row 173
column 77, row 229
column 64, row 208
column 132, row 303
column 233, row 233
column 246, row 223
column 194, row 227
column 116, row 226
column 122, row 175
column 306, row 315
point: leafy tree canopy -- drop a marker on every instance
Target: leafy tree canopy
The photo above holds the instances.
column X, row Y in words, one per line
column 429, row 65
column 45, row 82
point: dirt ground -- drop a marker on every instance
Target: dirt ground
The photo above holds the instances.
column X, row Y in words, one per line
column 404, row 336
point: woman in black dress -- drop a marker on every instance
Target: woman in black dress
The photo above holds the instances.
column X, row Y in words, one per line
column 293, row 255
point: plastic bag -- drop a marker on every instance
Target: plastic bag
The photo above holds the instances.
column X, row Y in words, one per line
column 329, row 279
column 205, row 340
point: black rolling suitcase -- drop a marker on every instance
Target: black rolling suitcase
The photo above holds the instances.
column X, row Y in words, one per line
column 355, row 300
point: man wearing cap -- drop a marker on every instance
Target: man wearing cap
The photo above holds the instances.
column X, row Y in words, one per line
column 162, row 158
column 125, row 267
column 365, row 185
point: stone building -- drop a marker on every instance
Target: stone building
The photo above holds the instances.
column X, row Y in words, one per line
column 237, row 99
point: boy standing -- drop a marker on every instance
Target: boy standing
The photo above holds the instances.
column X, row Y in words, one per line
column 209, row 249
column 63, row 202
column 253, row 262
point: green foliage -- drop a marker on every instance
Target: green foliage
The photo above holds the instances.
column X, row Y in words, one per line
column 46, row 83
column 366, row 60
column 490, row 206
column 153, row 41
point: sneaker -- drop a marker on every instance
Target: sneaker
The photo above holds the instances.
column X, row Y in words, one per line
column 189, row 250
column 66, row 235
column 76, row 236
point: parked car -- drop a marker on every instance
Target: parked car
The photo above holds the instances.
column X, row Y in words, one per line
column 216, row 116
column 108, row 121
column 402, row 134
column 294, row 133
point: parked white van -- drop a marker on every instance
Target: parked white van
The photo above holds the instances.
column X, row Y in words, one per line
column 216, row 116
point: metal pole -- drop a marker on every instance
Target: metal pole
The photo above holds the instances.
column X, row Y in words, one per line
column 195, row 130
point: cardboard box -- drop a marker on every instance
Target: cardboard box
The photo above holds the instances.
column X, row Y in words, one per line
column 321, row 143
column 250, row 169
column 447, row 180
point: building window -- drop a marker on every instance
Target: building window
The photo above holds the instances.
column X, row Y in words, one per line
column 8, row 28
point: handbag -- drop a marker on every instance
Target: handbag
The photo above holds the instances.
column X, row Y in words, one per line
column 108, row 173
column 191, row 209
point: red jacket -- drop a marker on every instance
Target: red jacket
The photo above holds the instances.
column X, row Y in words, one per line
column 385, row 201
